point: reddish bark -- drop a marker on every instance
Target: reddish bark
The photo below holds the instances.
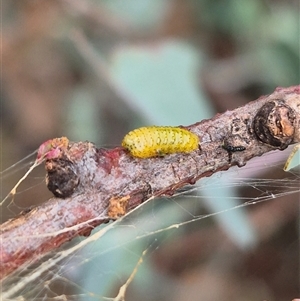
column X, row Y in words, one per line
column 94, row 185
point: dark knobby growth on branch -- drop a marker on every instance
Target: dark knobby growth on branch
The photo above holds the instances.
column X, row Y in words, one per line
column 275, row 124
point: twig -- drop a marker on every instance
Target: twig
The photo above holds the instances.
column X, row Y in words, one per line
column 94, row 185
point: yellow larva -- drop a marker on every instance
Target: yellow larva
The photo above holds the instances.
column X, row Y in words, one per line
column 153, row 141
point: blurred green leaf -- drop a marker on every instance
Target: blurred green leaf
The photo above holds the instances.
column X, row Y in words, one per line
column 146, row 14
column 81, row 119
column 162, row 82
column 293, row 159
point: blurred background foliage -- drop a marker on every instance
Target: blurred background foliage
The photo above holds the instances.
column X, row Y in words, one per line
column 93, row 70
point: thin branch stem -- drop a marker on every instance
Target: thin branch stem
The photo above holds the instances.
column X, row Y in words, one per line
column 93, row 186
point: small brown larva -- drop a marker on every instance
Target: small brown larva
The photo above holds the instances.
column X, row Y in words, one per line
column 153, row 141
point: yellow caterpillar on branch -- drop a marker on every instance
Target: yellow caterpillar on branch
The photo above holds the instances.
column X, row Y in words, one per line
column 153, row 141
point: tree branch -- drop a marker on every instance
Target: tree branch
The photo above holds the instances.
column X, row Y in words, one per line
column 93, row 186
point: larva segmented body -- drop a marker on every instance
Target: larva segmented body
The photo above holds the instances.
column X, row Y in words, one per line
column 153, row 141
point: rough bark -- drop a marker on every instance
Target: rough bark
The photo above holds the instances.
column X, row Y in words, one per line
column 92, row 186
